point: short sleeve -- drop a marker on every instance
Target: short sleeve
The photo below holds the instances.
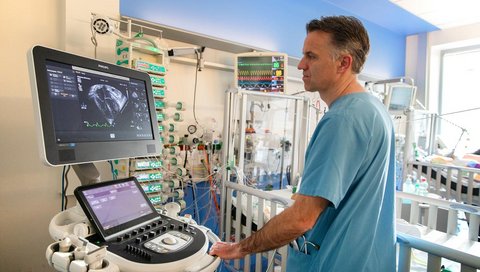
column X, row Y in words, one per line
column 333, row 158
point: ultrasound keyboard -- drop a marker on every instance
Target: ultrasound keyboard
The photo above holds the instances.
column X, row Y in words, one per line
column 126, row 221
column 161, row 241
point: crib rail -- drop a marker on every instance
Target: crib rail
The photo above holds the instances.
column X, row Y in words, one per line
column 469, row 263
column 235, row 229
column 438, row 245
column 449, row 181
column 432, row 205
column 464, row 250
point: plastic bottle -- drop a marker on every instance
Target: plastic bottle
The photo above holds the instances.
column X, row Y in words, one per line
column 408, row 187
column 415, row 183
column 423, row 187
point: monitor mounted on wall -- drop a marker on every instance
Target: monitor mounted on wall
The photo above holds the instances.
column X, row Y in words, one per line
column 261, row 71
column 88, row 110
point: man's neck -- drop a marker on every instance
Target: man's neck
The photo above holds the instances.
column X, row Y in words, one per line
column 348, row 86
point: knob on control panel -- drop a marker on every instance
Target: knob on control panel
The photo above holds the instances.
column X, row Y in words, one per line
column 169, row 240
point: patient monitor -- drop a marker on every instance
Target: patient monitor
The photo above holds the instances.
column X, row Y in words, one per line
column 400, row 98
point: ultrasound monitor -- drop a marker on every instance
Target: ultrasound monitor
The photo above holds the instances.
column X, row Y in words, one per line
column 88, row 110
column 261, row 71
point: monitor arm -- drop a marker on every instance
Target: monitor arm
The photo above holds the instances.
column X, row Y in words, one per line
column 197, row 50
column 87, row 173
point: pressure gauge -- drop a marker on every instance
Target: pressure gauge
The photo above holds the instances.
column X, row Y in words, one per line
column 192, row 129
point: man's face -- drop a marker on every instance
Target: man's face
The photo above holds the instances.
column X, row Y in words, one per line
column 318, row 63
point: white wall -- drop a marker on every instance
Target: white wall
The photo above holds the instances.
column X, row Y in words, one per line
column 29, row 190
column 415, row 63
column 423, row 56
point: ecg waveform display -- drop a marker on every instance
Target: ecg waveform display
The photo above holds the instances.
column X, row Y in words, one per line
column 261, row 73
column 97, row 125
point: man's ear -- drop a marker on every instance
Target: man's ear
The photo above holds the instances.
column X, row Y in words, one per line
column 345, row 63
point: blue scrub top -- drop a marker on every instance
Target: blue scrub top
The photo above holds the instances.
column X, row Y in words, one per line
column 350, row 161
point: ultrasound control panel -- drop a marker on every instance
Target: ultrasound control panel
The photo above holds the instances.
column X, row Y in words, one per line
column 126, row 221
column 161, row 241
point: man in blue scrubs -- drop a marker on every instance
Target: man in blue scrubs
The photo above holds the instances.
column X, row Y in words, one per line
column 343, row 215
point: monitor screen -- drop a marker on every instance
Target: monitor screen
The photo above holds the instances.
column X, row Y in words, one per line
column 401, row 98
column 115, row 206
column 261, row 71
column 91, row 110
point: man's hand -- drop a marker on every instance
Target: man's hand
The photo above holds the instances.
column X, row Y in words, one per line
column 227, row 251
column 278, row 231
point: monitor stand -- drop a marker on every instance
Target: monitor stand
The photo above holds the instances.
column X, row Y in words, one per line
column 87, row 173
column 64, row 223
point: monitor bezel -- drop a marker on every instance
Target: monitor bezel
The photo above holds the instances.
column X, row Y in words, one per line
column 52, row 153
column 111, row 233
column 388, row 99
column 263, row 54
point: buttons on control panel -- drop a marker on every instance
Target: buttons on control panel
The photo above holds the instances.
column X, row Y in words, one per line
column 162, row 236
column 171, row 241
column 138, row 251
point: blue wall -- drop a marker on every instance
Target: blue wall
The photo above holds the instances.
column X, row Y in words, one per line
column 271, row 25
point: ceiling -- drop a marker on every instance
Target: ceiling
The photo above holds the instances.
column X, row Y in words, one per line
column 443, row 13
column 410, row 17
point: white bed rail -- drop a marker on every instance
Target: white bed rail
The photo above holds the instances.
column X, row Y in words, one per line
column 255, row 200
column 468, row 262
column 449, row 181
column 432, row 205
column 462, row 249
column 438, row 245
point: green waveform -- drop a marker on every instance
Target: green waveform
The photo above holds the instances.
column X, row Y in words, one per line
column 255, row 64
column 97, row 125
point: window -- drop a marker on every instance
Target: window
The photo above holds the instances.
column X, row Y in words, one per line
column 459, row 103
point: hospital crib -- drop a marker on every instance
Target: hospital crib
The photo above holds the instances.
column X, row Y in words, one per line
column 450, row 182
column 422, row 232
column 248, row 209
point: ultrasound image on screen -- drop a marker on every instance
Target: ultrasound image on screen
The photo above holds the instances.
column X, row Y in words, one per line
column 109, row 101
column 117, row 204
column 101, row 106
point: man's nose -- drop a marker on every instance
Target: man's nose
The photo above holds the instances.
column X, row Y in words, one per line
column 301, row 65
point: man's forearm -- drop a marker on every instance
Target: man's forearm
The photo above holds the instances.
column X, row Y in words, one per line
column 279, row 231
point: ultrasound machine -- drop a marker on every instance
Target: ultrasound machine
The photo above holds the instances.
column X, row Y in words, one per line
column 89, row 111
